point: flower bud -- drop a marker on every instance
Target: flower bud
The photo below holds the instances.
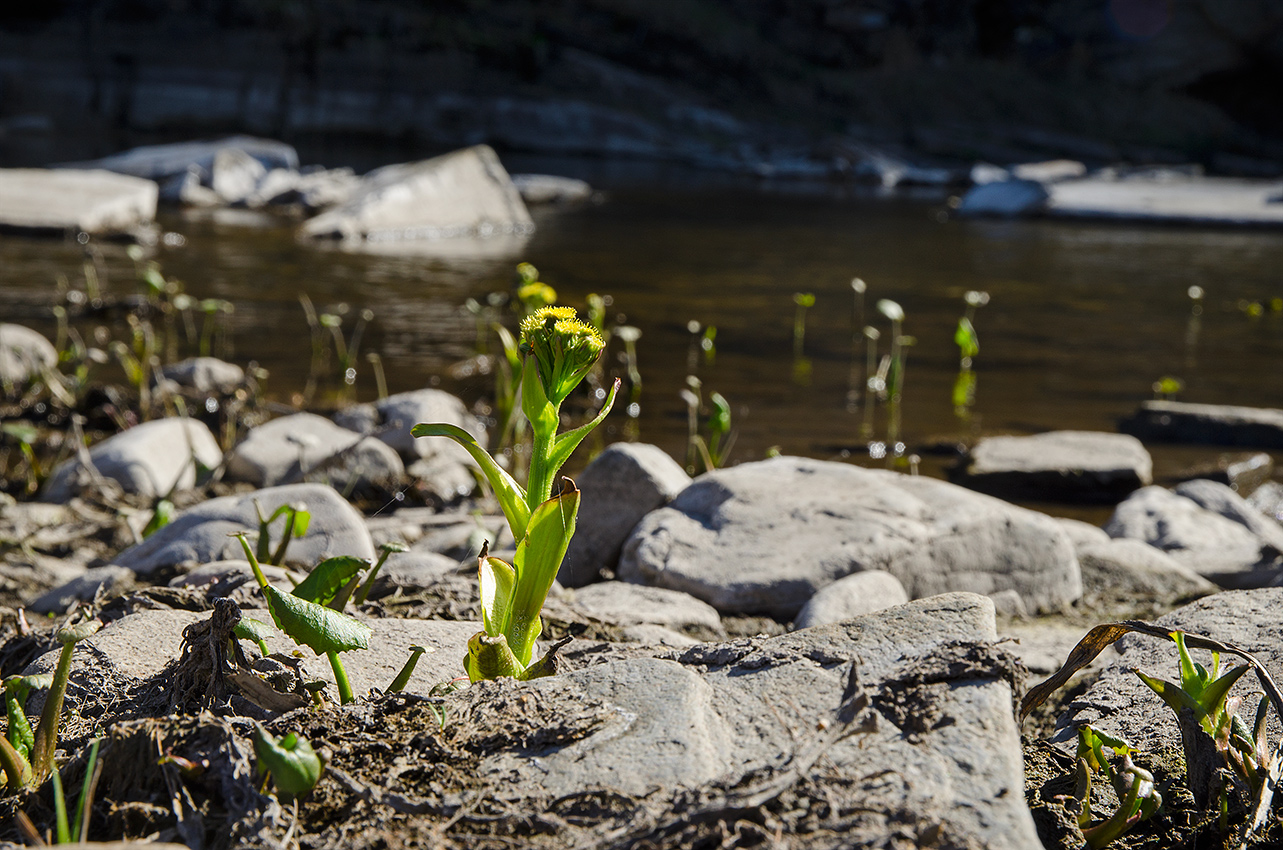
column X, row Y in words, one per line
column 564, row 349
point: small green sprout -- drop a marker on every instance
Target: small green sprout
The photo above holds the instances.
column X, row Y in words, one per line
column 84, row 804
column 385, row 550
column 1137, row 796
column 297, row 519
column 30, row 769
column 291, row 763
column 559, row 351
column 403, row 678
column 305, row 617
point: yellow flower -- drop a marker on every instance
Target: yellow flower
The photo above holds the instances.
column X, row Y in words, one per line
column 564, row 349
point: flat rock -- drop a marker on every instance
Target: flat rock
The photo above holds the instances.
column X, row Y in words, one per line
column 200, row 533
column 466, row 193
column 549, row 189
column 764, row 537
column 627, row 604
column 205, row 374
column 307, row 447
column 1123, row 568
column 81, row 589
column 1119, row 703
column 1059, row 466
column 1168, row 198
column 151, row 459
column 158, row 162
column 24, row 354
column 621, row 485
column 58, row 202
column 1217, row 547
column 438, row 461
column 857, row 594
column 712, row 715
column 1004, row 198
column 138, row 646
column 1209, row 424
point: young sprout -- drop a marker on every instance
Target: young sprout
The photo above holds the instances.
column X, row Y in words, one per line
column 292, row 764
column 1138, row 798
column 1167, row 387
column 558, row 351
column 895, row 373
column 385, row 550
column 403, row 678
column 804, row 301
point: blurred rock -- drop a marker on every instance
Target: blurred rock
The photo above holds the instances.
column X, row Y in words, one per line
column 152, row 459
column 205, row 375
column 548, row 189
column 1210, row 424
column 1242, row 472
column 1004, row 198
column 1123, row 569
column 627, row 604
column 1059, row 466
column 160, row 162
column 82, row 589
column 24, row 354
column 66, row 202
column 621, row 485
column 307, row 447
column 462, row 194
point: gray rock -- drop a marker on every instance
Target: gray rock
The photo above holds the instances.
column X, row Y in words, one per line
column 1242, row 472
column 24, row 354
column 466, row 193
column 1121, row 569
column 627, row 604
column 234, row 175
column 548, row 189
column 312, row 190
column 764, row 537
column 1221, row 499
column 67, row 202
column 411, row 572
column 151, row 459
column 439, row 461
column 1051, row 171
column 1268, row 499
column 307, row 447
column 205, row 374
column 1167, row 197
column 1119, row 703
column 1082, row 534
column 714, row 715
column 81, row 589
column 232, row 579
column 621, row 485
column 1009, row 604
column 654, row 635
column 1065, row 466
column 1004, row 198
column 1218, row 548
column 187, row 190
column 138, row 646
column 158, row 162
column 200, row 533
column 858, row 593
column 1211, row 424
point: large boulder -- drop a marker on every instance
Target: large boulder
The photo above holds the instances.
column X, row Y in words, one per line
column 151, row 459
column 304, row 446
column 57, row 202
column 1230, row 543
column 1069, row 466
column 919, row 687
column 621, row 485
column 462, row 194
column 1214, row 424
column 1125, row 569
column 440, row 462
column 764, row 537
column 200, row 533
column 24, row 354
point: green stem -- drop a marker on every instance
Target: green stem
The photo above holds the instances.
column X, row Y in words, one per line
column 47, row 732
column 403, row 678
column 17, row 770
column 369, row 579
column 253, row 561
column 340, row 678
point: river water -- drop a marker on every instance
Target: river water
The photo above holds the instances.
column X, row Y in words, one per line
column 1083, row 317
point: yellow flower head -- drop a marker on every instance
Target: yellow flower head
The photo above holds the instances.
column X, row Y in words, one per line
column 564, row 349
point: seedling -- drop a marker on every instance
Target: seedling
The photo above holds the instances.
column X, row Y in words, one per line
column 894, row 375
column 385, row 551
column 30, row 768
column 1167, row 388
column 964, row 386
column 305, row 617
column 78, row 828
column 297, row 519
column 1138, row 799
column 804, row 301
column 403, row 678
column 706, row 451
column 559, row 351
column 291, row 763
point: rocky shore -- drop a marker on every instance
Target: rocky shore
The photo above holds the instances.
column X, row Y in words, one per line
column 789, row 651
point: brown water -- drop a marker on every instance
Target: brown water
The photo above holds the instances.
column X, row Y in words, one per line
column 1083, row 317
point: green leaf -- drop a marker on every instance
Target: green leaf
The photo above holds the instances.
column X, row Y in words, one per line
column 565, row 444
column 966, row 339
column 1213, row 696
column 250, row 629
column 1174, row 695
column 497, row 581
column 321, row 629
column 539, row 556
column 512, row 498
column 328, row 578
column 160, row 517
column 294, row 765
